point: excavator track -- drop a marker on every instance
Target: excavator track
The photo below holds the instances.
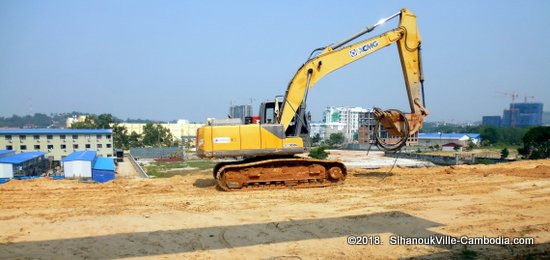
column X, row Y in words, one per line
column 279, row 173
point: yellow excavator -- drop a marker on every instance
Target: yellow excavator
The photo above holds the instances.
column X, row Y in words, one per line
column 270, row 145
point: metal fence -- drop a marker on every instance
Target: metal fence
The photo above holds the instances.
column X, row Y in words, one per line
column 160, row 152
column 448, row 160
column 137, row 166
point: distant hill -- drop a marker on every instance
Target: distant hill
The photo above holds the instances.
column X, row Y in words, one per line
column 56, row 120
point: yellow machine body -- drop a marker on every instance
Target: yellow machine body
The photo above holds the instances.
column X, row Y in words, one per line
column 215, row 141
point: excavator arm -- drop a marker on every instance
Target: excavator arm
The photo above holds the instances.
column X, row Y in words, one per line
column 331, row 58
column 270, row 147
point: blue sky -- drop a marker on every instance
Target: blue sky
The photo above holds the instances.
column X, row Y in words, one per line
column 191, row 59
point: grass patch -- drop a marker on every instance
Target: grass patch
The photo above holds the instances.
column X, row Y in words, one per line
column 165, row 169
column 502, row 146
column 486, row 162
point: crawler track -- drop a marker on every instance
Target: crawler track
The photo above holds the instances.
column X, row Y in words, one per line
column 279, row 173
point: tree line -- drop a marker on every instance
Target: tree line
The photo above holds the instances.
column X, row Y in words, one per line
column 154, row 135
column 532, row 143
column 54, row 120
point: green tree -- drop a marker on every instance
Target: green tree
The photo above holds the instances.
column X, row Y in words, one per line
column 490, row 134
column 135, row 140
column 104, row 121
column 511, row 136
column 316, row 139
column 536, row 143
column 336, row 139
column 319, row 153
column 42, row 120
column 121, row 139
column 471, row 145
column 457, row 147
column 156, row 135
column 504, row 153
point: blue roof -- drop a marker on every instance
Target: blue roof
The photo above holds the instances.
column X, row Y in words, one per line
column 6, row 151
column 104, row 163
column 446, row 135
column 54, row 131
column 20, row 158
column 81, row 156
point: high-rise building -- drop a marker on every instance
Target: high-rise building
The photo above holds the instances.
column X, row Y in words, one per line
column 347, row 118
column 493, row 121
column 240, row 111
column 522, row 115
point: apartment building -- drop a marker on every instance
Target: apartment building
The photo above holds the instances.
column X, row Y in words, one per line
column 346, row 119
column 58, row 143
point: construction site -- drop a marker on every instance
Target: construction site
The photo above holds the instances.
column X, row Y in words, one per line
column 361, row 184
column 186, row 216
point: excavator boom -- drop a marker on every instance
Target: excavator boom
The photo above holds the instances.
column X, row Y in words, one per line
column 269, row 147
column 334, row 57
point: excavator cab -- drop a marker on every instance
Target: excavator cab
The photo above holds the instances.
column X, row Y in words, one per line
column 269, row 111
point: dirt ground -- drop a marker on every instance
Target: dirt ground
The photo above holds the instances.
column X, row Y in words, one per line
column 186, row 217
column 125, row 169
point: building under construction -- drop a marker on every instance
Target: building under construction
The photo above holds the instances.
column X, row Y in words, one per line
column 518, row 115
column 523, row 115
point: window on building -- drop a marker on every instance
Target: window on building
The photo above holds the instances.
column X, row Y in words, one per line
column 50, row 146
column 36, row 147
column 88, row 146
column 8, row 137
column 23, row 147
column 109, row 155
column 9, row 147
column 108, row 136
column 108, row 145
column 62, row 137
column 75, row 137
column 49, row 137
column 22, row 137
column 75, row 146
column 36, row 137
column 63, row 146
column 98, row 136
column 99, row 146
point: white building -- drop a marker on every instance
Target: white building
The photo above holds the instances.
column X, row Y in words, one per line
column 182, row 130
column 79, row 164
column 57, row 143
column 344, row 119
column 432, row 139
column 324, row 130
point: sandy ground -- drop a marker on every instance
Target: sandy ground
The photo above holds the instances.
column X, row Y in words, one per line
column 125, row 169
column 186, row 217
column 372, row 160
